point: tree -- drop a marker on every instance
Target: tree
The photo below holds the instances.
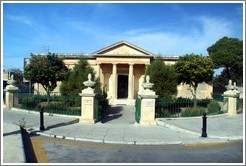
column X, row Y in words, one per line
column 228, row 54
column 194, row 69
column 73, row 84
column 46, row 70
column 164, row 78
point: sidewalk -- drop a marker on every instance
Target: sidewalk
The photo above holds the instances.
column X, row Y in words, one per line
column 221, row 126
column 167, row 131
column 13, row 150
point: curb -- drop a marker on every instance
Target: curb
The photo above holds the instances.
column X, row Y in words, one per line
column 222, row 139
column 107, row 141
column 197, row 117
column 22, row 156
column 163, row 124
column 45, row 113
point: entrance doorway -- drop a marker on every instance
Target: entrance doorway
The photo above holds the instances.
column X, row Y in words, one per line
column 122, row 86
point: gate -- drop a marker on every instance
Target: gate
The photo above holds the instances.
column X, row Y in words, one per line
column 98, row 110
column 137, row 109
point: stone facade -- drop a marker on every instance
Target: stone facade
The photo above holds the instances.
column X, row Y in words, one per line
column 121, row 68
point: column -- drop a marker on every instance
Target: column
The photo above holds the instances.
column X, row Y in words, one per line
column 130, row 82
column 146, row 66
column 100, row 75
column 114, row 89
column 102, row 78
column 98, row 71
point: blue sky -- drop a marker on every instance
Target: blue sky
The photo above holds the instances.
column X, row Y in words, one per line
column 169, row 29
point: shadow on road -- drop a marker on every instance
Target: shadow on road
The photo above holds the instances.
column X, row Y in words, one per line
column 11, row 133
column 62, row 124
column 112, row 113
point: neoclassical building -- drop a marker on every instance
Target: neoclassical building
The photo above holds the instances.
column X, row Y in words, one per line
column 121, row 68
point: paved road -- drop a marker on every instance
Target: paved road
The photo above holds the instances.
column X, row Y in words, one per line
column 64, row 151
column 179, row 132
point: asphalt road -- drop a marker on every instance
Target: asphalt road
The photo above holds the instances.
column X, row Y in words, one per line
column 53, row 150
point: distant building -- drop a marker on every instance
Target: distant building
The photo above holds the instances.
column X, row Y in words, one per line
column 121, row 68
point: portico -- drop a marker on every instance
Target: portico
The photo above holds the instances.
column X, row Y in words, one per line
column 121, row 69
column 121, row 80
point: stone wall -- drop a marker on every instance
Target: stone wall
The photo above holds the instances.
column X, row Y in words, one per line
column 204, row 91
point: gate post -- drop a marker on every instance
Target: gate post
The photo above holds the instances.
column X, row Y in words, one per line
column 11, row 89
column 232, row 93
column 147, row 104
column 88, row 102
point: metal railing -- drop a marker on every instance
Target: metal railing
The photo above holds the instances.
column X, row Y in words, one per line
column 68, row 105
column 137, row 109
column 174, row 107
column 98, row 110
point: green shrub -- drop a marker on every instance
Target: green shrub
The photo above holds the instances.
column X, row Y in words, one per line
column 29, row 102
column 165, row 113
column 213, row 107
column 193, row 111
column 68, row 105
column 59, row 107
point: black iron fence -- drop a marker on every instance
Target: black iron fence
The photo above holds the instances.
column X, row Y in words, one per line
column 182, row 107
column 68, row 105
column 137, row 109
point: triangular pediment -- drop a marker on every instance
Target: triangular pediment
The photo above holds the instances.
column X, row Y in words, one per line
column 123, row 48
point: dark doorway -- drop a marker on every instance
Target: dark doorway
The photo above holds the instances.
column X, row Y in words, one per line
column 122, row 86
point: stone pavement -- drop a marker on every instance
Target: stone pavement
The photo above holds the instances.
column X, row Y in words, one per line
column 167, row 131
column 222, row 126
column 13, row 151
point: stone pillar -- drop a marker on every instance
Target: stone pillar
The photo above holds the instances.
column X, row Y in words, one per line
column 130, row 82
column 11, row 89
column 114, row 81
column 88, row 103
column 232, row 95
column 147, row 104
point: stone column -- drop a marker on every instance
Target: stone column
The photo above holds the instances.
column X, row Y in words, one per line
column 98, row 73
column 146, row 66
column 147, row 104
column 232, row 95
column 88, row 103
column 114, row 88
column 130, row 82
column 11, row 89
